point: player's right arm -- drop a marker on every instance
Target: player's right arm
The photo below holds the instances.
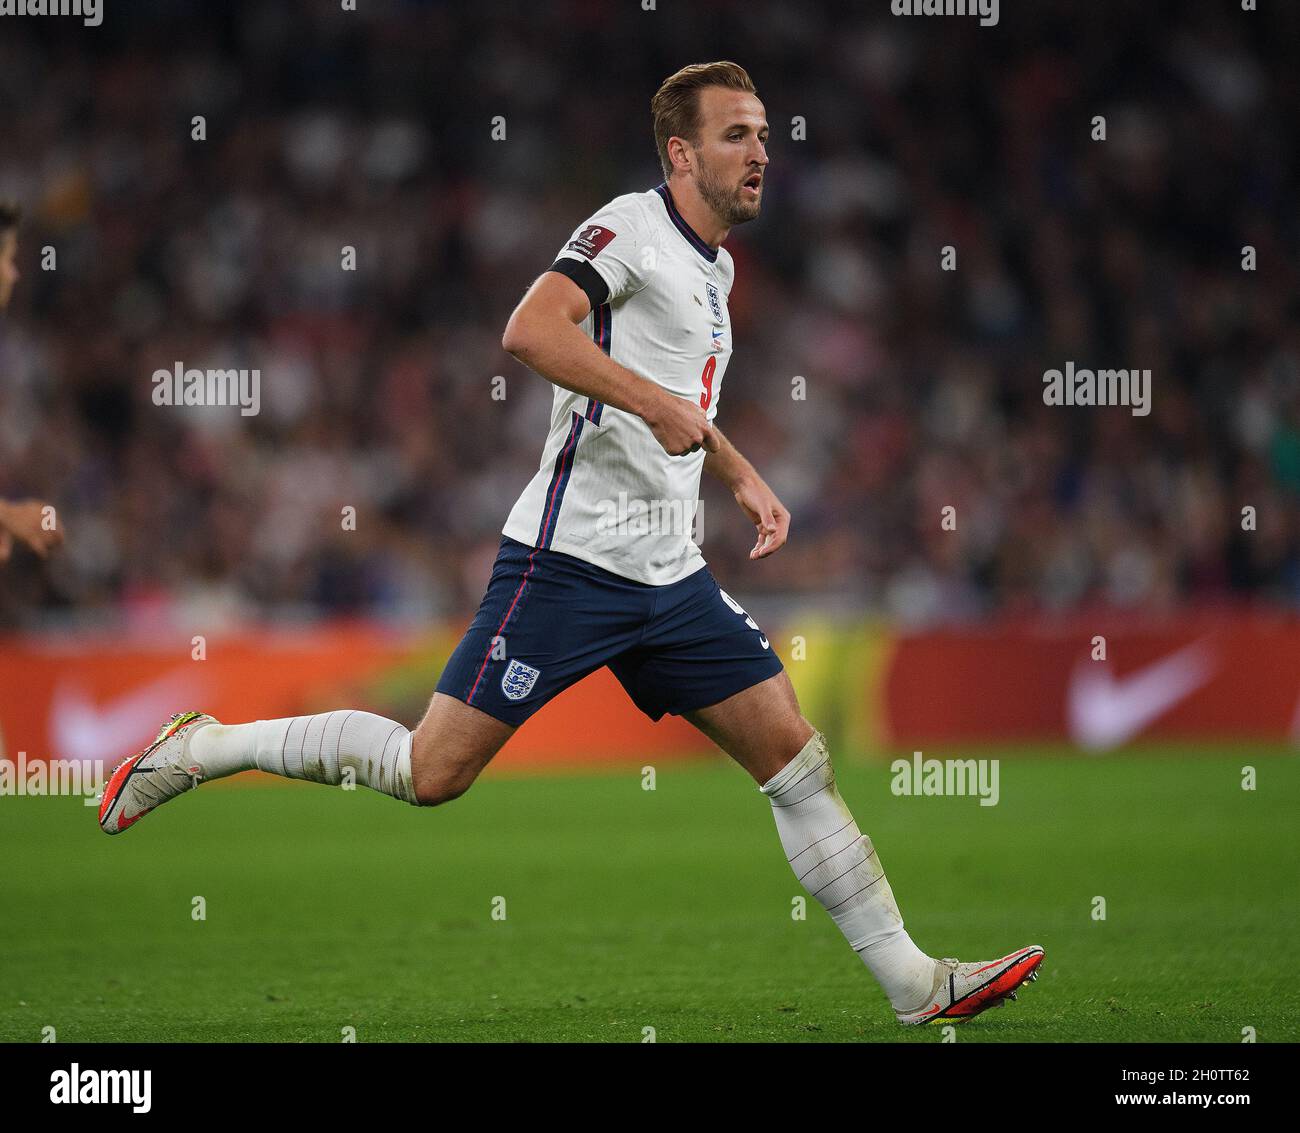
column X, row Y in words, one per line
column 543, row 334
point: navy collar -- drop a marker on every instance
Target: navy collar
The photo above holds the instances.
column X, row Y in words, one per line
column 695, row 240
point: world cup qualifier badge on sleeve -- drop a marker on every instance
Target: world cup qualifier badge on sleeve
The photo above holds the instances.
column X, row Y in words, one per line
column 591, row 240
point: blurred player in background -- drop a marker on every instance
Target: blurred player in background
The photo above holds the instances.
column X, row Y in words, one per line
column 26, row 521
column 22, row 520
column 631, row 326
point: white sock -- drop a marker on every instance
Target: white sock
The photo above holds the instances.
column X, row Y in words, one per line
column 838, row 865
column 320, row 748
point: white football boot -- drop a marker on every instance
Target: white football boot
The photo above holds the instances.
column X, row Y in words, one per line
column 962, row 991
column 160, row 772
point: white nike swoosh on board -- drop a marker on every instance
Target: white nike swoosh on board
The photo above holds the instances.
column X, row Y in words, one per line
column 1104, row 711
column 80, row 729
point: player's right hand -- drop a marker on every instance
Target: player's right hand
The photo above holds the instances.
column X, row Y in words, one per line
column 680, row 426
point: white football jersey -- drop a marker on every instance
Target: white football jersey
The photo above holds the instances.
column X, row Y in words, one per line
column 606, row 491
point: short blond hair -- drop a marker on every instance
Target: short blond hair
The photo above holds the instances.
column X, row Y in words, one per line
column 676, row 104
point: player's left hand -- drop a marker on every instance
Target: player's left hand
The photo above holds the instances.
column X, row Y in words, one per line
column 767, row 514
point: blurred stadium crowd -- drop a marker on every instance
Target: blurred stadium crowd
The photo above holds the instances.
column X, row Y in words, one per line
column 924, row 387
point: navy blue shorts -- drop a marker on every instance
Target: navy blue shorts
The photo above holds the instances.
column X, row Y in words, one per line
column 549, row 619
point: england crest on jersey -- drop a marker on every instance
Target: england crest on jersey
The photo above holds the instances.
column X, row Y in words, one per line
column 715, row 304
column 518, row 680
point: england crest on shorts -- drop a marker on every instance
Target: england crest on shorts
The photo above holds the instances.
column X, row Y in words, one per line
column 518, row 680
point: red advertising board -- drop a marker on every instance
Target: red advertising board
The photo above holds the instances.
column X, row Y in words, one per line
column 1194, row 676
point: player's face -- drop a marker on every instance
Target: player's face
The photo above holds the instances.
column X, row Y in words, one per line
column 731, row 159
column 8, row 266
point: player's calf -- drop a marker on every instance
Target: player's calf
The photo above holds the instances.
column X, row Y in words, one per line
column 336, row 748
column 433, row 765
column 839, row 866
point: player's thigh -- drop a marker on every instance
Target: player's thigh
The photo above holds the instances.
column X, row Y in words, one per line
column 703, row 657
column 451, row 746
column 760, row 727
column 546, row 621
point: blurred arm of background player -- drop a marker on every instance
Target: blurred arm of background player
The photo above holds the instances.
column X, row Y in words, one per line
column 25, row 520
column 543, row 334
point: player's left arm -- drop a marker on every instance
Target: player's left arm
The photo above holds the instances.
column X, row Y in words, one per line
column 767, row 513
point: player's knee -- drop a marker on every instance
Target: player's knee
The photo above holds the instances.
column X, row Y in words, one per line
column 789, row 732
column 440, row 781
column 433, row 790
column 438, row 776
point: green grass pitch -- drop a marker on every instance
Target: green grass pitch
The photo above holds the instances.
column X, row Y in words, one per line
column 669, row 909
